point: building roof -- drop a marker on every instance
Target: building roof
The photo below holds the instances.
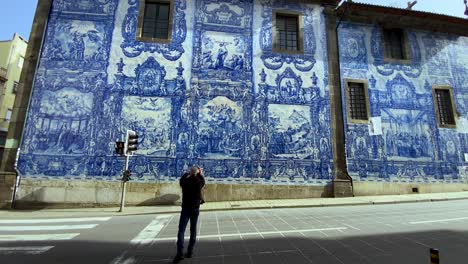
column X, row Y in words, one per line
column 400, row 17
column 13, row 38
column 329, row 2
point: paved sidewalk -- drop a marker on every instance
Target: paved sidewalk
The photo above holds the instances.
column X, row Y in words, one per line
column 240, row 205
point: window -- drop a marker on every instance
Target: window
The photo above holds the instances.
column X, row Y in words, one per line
column 20, row 62
column 8, row 115
column 3, row 136
column 444, row 107
column 155, row 21
column 357, row 101
column 287, row 34
column 395, row 44
column 15, row 87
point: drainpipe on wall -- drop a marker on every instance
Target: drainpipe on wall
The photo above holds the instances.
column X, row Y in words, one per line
column 17, row 181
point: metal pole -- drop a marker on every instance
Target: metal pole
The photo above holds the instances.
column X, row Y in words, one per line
column 124, row 185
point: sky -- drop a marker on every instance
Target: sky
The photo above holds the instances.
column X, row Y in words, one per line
column 17, row 16
column 446, row 7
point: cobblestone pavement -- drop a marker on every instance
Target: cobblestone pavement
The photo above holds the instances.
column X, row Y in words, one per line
column 384, row 234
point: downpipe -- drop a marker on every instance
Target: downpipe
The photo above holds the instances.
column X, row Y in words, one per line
column 17, row 180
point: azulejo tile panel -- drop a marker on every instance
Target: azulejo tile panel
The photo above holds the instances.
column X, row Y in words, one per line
column 217, row 95
column 410, row 147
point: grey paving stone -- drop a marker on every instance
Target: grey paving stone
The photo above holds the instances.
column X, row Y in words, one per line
column 294, row 257
column 241, row 259
column 267, row 258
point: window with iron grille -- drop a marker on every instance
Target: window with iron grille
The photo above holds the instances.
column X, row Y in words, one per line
column 444, row 107
column 357, row 101
column 394, row 44
column 156, row 20
column 287, row 32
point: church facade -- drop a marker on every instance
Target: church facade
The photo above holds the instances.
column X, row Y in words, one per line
column 217, row 95
column 242, row 88
column 416, row 125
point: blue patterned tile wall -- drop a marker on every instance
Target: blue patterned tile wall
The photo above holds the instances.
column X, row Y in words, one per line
column 402, row 143
column 217, row 95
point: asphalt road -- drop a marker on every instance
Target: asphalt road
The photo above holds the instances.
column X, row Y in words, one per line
column 383, row 234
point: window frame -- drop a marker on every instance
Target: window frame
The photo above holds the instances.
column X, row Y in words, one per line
column 405, row 46
column 13, row 90
column 349, row 118
column 300, row 31
column 436, row 106
column 141, row 18
column 20, row 62
column 8, row 114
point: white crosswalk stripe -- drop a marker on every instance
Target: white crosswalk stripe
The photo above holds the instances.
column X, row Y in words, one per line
column 123, row 259
column 24, row 250
column 147, row 236
column 45, row 237
column 46, row 227
column 45, row 233
column 55, row 220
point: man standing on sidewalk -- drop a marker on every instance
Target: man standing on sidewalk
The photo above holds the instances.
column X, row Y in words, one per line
column 192, row 184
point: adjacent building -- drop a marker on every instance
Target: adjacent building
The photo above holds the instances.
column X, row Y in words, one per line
column 12, row 54
column 275, row 99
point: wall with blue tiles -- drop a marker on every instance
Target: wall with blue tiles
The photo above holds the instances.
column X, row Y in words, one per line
column 217, row 95
column 402, row 142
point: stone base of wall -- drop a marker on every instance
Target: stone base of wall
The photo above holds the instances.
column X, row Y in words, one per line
column 34, row 193
column 7, row 182
column 389, row 188
column 342, row 188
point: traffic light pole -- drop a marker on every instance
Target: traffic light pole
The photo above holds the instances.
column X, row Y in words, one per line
column 124, row 185
column 127, row 148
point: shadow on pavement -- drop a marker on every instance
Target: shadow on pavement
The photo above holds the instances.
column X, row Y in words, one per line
column 313, row 247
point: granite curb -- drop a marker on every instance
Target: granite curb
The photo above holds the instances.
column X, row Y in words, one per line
column 238, row 205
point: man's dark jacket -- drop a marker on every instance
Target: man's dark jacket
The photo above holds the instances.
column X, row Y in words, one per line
column 191, row 190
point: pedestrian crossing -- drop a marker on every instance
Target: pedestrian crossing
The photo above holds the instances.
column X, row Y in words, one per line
column 41, row 234
column 25, row 250
column 40, row 237
column 149, row 233
column 146, row 237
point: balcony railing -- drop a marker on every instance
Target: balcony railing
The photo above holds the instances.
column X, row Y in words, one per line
column 3, row 74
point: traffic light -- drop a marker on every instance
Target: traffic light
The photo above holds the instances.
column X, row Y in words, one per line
column 126, row 176
column 119, row 147
column 131, row 142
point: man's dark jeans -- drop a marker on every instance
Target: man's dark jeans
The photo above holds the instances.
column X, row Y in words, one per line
column 186, row 215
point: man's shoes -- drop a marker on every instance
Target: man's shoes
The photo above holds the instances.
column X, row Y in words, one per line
column 177, row 259
column 188, row 254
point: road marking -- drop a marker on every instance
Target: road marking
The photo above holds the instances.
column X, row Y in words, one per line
column 259, row 233
column 148, row 235
column 24, row 250
column 38, row 237
column 122, row 259
column 56, row 220
column 46, row 228
column 353, row 227
column 439, row 220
